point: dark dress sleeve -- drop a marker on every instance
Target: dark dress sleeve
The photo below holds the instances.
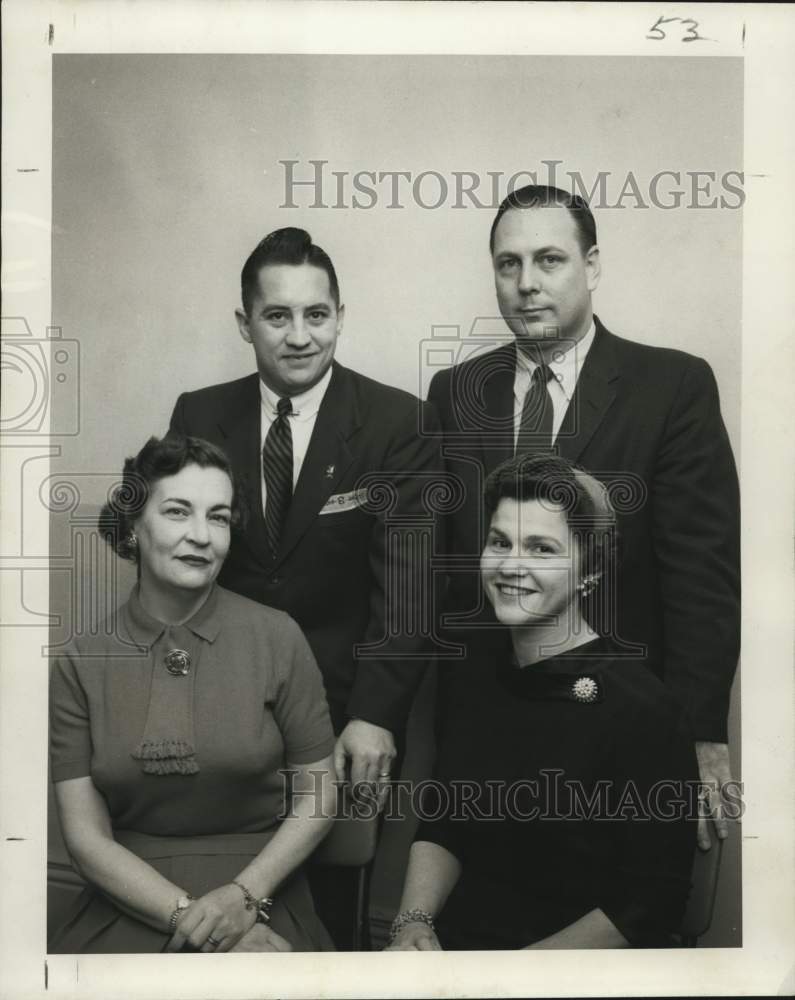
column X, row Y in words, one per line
column 437, row 824
column 645, row 888
column 70, row 733
column 441, row 821
column 300, row 709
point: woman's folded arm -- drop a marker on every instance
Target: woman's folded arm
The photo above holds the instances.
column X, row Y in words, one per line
column 133, row 885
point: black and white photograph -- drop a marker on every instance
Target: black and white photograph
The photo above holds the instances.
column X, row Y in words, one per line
column 397, row 457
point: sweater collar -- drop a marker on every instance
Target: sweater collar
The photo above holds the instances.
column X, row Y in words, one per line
column 145, row 630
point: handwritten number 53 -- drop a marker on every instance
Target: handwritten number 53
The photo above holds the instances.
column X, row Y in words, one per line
column 657, row 34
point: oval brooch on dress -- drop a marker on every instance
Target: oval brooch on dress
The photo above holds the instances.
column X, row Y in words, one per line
column 585, row 689
column 177, row 662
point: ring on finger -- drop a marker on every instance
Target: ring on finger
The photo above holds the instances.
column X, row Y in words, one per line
column 212, row 942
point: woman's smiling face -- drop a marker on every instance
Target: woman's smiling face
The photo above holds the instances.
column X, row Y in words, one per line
column 529, row 565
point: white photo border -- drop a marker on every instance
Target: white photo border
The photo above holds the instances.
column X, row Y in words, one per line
column 765, row 37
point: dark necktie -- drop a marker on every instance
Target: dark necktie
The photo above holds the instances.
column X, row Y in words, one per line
column 277, row 467
column 535, row 430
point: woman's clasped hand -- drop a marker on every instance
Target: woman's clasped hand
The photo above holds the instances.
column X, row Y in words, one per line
column 215, row 922
column 415, row 936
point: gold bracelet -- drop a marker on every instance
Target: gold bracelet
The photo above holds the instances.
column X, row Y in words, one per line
column 262, row 906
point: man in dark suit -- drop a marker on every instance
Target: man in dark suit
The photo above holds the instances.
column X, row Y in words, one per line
column 333, row 470
column 644, row 420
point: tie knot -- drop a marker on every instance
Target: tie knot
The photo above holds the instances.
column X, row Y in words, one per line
column 284, row 407
column 542, row 374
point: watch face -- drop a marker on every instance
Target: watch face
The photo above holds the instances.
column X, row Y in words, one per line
column 183, row 902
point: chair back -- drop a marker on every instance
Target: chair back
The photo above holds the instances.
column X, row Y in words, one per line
column 351, row 842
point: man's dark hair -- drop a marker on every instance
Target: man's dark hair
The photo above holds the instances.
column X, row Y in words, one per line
column 559, row 483
column 284, row 246
column 541, row 196
column 159, row 457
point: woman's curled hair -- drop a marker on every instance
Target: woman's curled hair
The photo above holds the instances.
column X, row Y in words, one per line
column 559, row 483
column 159, row 458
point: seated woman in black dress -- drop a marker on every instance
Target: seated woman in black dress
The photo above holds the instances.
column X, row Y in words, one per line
column 559, row 817
column 169, row 728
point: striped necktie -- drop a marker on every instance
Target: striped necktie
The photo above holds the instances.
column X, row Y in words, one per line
column 277, row 467
column 535, row 430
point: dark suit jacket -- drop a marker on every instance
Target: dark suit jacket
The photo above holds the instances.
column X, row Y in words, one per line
column 647, row 421
column 332, row 573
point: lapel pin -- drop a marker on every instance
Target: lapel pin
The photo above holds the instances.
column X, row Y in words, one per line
column 329, row 471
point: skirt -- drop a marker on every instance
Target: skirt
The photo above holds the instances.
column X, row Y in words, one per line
column 94, row 925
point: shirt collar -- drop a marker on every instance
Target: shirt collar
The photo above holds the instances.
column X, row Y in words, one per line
column 565, row 367
column 146, row 630
column 305, row 404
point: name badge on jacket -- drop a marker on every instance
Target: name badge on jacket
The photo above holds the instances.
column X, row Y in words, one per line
column 344, row 501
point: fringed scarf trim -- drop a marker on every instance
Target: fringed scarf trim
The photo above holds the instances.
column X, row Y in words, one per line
column 166, row 757
column 168, row 743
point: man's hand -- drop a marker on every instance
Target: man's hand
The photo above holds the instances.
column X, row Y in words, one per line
column 371, row 750
column 715, row 772
column 262, row 938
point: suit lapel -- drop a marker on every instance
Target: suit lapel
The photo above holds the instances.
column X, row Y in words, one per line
column 593, row 396
column 494, row 385
column 327, row 459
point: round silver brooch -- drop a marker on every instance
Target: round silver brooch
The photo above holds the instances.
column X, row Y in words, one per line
column 178, row 662
column 585, row 689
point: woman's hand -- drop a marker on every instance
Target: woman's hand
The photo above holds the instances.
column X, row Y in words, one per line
column 215, row 922
column 415, row 936
column 262, row 938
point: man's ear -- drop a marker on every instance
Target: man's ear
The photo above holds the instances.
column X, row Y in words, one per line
column 340, row 319
column 242, row 325
column 593, row 268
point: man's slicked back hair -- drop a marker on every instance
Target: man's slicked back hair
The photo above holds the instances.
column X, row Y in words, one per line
column 285, row 246
column 542, row 196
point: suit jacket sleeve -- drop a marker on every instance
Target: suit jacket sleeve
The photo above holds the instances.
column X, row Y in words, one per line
column 177, row 424
column 397, row 642
column 438, row 396
column 435, row 390
column 695, row 497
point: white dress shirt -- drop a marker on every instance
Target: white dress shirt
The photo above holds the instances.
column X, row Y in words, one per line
column 302, row 422
column 566, row 367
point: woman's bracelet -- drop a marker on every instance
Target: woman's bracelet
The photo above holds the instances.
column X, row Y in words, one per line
column 262, row 906
column 415, row 916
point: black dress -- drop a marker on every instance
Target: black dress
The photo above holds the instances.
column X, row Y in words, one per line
column 561, row 787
